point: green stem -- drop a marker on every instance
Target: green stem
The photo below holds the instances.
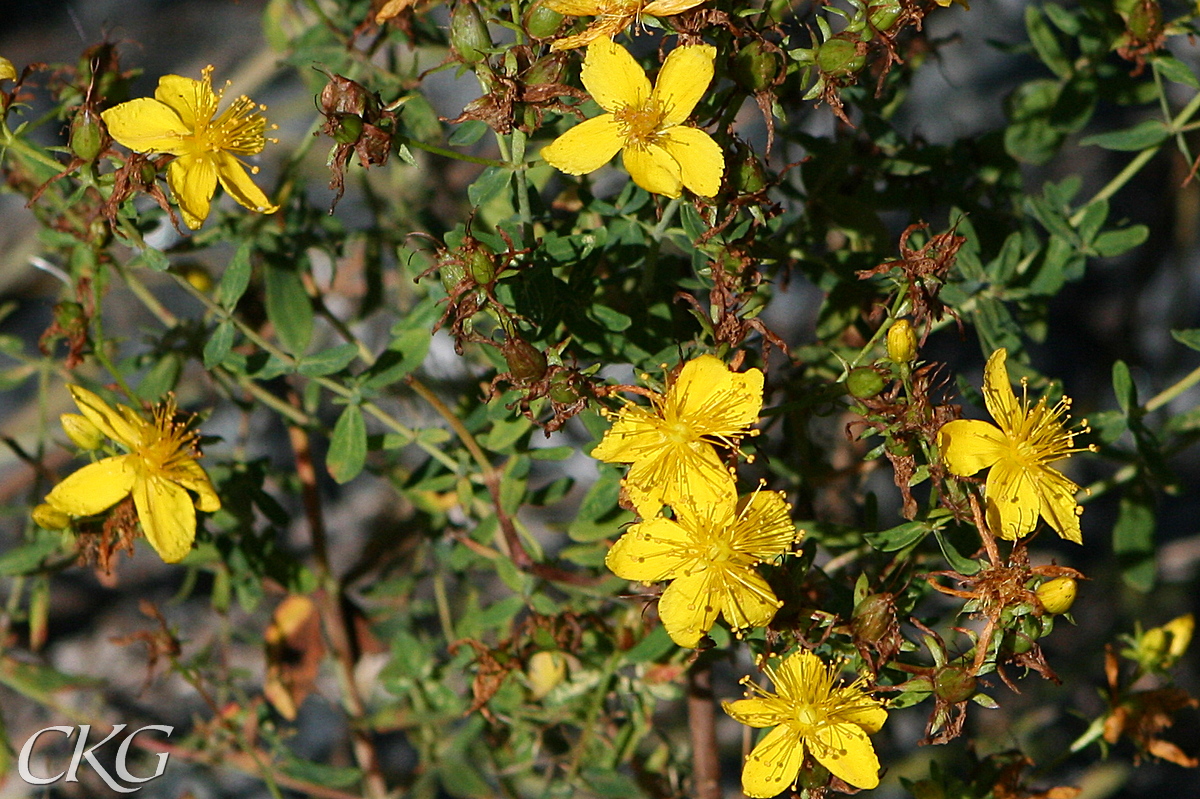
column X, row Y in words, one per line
column 1168, row 394
column 446, row 153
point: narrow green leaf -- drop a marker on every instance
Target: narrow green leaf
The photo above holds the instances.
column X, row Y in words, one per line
column 1188, row 338
column 1174, row 70
column 490, row 183
column 1141, row 136
column 1133, row 538
column 288, row 308
column 154, row 259
column 236, row 278
column 328, row 361
column 1124, row 388
column 1111, row 243
column 218, row 345
column 347, row 446
column 1046, row 43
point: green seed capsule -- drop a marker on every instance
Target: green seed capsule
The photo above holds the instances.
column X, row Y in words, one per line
column 755, row 67
column 561, row 390
column 451, row 271
column 873, row 617
column 542, row 22
column 525, row 362
column 841, row 57
column 954, row 685
column 481, row 261
column 469, row 35
column 349, row 129
column 87, row 137
column 864, row 382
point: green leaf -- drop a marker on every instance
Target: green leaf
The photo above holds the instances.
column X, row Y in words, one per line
column 1111, row 243
column 1124, row 388
column 1189, row 338
column 490, row 183
column 1133, row 538
column 898, row 537
column 218, row 345
column 154, row 259
column 403, row 355
column 288, row 307
column 1141, row 136
column 1042, row 37
column 28, row 558
column 329, row 361
column 347, row 446
column 321, row 774
column 957, row 561
column 1174, row 70
column 161, row 378
column 236, row 277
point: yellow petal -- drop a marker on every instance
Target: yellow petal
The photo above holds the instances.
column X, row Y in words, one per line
column 148, row 126
column 390, row 9
column 240, row 187
column 667, row 8
column 634, row 436
column 1058, row 503
column 650, row 552
column 112, row 423
column 847, row 752
column 869, row 714
column 167, row 515
column 764, row 527
column 191, row 476
column 602, row 27
column 1013, row 501
column 585, row 147
column 701, row 162
column 683, row 472
column 758, row 712
column 94, row 488
column 688, row 607
column 774, row 763
column 7, row 70
column 714, row 399
column 997, row 392
column 968, row 445
column 193, row 100
column 652, row 168
column 576, row 8
column 612, row 77
column 748, row 600
column 193, row 180
column 683, row 80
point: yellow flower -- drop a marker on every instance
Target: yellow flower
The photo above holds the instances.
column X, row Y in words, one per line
column 813, row 713
column 179, row 120
column 613, row 16
column 1021, row 484
column 709, row 553
column 159, row 470
column 670, row 443
column 661, row 154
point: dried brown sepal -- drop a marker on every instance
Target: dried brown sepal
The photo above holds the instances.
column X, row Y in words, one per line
column 161, row 644
column 358, row 122
column 924, row 272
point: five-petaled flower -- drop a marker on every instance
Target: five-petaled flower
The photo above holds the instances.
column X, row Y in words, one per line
column 670, row 443
column 709, row 553
column 811, row 712
column 1019, row 449
column 179, row 120
column 661, row 154
column 158, row 469
column 612, row 16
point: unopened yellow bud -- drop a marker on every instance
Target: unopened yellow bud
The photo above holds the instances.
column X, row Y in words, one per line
column 1181, row 630
column 49, row 517
column 545, row 672
column 902, row 342
column 7, row 70
column 1057, row 595
column 81, row 430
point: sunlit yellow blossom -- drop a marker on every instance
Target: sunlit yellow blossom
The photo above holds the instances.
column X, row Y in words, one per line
column 159, row 470
column 7, row 70
column 612, row 16
column 1021, row 484
column 661, row 154
column 811, row 712
column 670, row 443
column 181, row 120
column 709, row 553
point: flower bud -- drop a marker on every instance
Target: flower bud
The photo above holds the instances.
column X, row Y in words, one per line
column 873, row 617
column 841, row 57
column 49, row 517
column 7, row 70
column 954, row 685
column 81, row 431
column 864, row 382
column 546, row 670
column 901, row 342
column 1180, row 629
column 755, row 67
column 525, row 362
column 542, row 22
column 1057, row 595
column 87, row 137
column 469, row 35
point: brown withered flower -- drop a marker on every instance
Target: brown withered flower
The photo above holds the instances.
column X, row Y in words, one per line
column 923, row 273
column 358, row 123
